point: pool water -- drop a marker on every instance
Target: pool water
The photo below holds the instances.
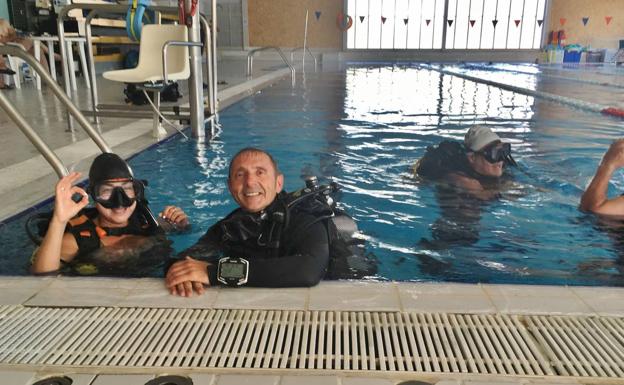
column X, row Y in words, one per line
column 363, row 128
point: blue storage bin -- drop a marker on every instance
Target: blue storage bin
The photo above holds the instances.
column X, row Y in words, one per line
column 572, row 56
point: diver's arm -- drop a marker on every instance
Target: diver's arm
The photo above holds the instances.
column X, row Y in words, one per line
column 595, row 198
column 304, row 267
column 185, row 275
column 471, row 186
column 57, row 245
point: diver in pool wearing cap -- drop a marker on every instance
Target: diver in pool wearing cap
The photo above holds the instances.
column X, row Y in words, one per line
column 468, row 177
column 119, row 219
column 476, row 167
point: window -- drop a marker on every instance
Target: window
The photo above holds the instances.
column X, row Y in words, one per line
column 468, row 24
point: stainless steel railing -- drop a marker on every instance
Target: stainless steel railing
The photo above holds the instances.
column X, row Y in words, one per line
column 251, row 54
column 305, row 50
column 62, row 96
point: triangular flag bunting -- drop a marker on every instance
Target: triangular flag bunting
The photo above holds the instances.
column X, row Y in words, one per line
column 562, row 21
column 428, row 21
column 450, row 22
column 539, row 22
column 472, row 23
column 405, row 21
column 318, row 14
column 383, row 20
column 517, row 22
column 362, row 19
column 585, row 20
column 494, row 22
column 608, row 19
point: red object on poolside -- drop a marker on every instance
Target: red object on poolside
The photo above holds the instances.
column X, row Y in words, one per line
column 614, row 112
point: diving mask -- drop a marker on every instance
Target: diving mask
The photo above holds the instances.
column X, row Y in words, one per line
column 115, row 194
column 499, row 153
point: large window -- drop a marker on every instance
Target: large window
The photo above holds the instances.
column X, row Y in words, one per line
column 466, row 24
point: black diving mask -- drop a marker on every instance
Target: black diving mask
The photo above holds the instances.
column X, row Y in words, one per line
column 499, row 153
column 115, row 194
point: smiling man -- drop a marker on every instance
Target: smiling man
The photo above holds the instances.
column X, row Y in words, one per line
column 266, row 242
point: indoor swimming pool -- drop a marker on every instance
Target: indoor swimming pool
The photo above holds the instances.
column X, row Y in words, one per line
column 365, row 126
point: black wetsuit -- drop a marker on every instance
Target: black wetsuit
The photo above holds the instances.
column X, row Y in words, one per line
column 283, row 251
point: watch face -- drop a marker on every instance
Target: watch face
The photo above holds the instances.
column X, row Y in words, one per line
column 232, row 270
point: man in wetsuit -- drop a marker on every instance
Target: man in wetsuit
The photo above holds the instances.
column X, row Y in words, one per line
column 281, row 247
column 595, row 197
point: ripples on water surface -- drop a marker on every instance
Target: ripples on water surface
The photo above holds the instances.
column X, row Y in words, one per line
column 364, row 127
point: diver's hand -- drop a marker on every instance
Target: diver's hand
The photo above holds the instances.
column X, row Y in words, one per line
column 614, row 157
column 186, row 276
column 175, row 215
column 64, row 207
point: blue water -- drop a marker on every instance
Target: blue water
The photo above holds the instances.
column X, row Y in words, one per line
column 363, row 127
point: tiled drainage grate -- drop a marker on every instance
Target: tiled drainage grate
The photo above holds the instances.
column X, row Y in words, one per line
column 332, row 340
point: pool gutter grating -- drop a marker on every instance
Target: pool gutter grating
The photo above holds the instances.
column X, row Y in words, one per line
column 578, row 346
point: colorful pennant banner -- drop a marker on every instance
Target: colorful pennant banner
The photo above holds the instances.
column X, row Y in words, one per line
column 585, row 20
column 608, row 19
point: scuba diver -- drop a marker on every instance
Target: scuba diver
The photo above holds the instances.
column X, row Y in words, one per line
column 468, row 177
column 476, row 167
column 113, row 237
column 274, row 239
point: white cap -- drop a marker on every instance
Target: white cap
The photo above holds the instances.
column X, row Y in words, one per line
column 478, row 137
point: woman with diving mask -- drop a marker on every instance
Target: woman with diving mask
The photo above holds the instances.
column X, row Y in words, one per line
column 121, row 217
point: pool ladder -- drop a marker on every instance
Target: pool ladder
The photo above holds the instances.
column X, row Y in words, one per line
column 23, row 125
column 251, row 54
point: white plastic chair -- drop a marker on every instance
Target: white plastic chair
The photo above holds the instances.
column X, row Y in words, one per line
column 151, row 73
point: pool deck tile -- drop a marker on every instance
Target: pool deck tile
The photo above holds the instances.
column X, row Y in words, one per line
column 83, row 292
column 16, row 378
column 512, row 299
column 365, row 381
column 241, row 379
column 161, row 298
column 458, row 298
column 202, row 379
column 355, row 296
column 260, row 298
column 77, row 379
column 122, row 379
column 309, row 380
column 605, row 301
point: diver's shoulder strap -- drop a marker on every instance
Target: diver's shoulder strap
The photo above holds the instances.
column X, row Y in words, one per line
column 85, row 231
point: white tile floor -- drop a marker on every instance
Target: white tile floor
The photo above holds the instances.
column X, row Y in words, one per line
column 328, row 295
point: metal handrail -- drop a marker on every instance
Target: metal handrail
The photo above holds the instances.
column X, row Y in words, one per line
column 164, row 54
column 35, row 139
column 279, row 51
column 71, row 107
column 292, row 53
